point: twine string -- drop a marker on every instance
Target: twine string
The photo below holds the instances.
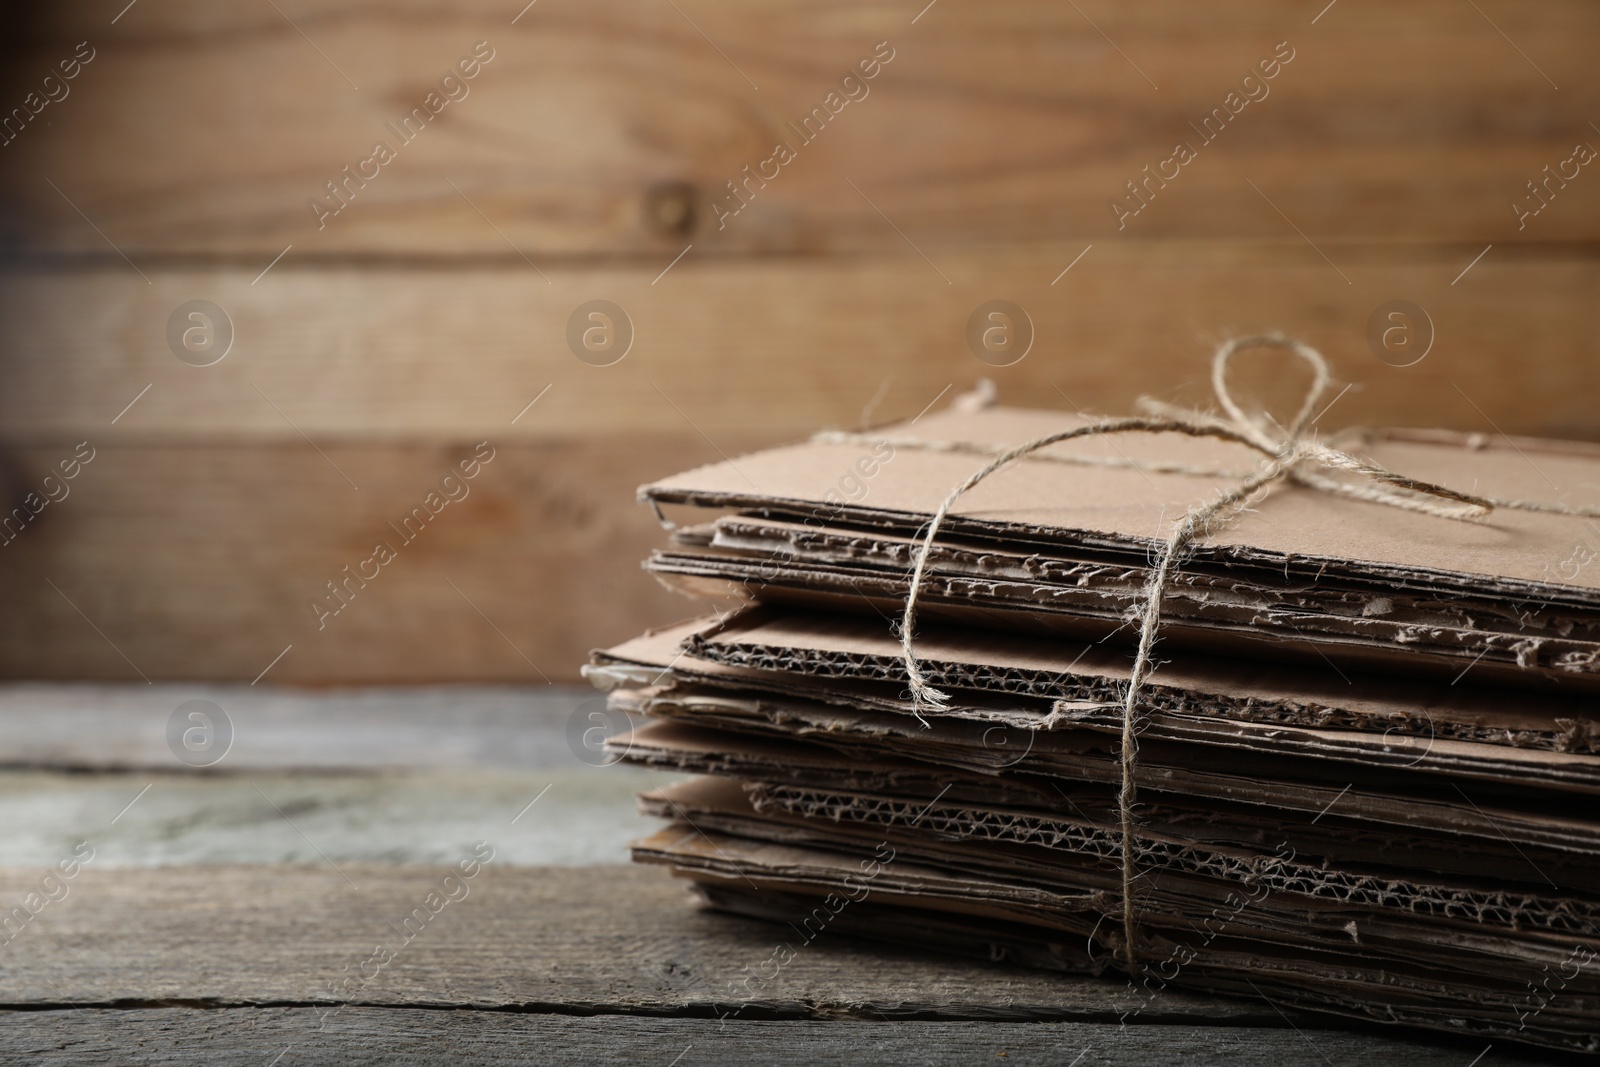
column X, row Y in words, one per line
column 1288, row 455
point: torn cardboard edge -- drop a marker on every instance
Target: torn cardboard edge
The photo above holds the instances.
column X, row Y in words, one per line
column 1299, row 533
column 1464, row 839
column 908, row 922
column 1317, row 978
column 831, row 657
column 983, row 746
column 1315, row 622
column 1113, row 585
column 1502, row 659
column 990, row 770
column 1063, row 846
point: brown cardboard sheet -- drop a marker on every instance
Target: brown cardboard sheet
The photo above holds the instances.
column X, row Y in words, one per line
column 1011, row 679
column 1310, row 531
column 1539, row 779
column 784, row 866
column 902, row 922
column 1425, row 980
column 1310, row 981
column 1068, row 850
column 1505, row 659
column 1448, row 833
column 1534, row 561
column 1319, row 622
column 1110, row 588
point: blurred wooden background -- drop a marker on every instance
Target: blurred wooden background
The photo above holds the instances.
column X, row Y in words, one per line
column 372, row 354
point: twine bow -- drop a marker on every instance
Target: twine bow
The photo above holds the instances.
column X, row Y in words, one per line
column 1288, row 454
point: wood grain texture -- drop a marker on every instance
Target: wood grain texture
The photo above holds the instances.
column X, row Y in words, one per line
column 88, row 727
column 568, row 940
column 580, row 816
column 433, row 307
column 197, row 538
column 403, row 776
column 409, row 1036
column 202, row 562
column 203, row 129
column 771, row 350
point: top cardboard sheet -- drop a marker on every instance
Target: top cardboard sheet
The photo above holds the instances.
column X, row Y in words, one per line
column 891, row 478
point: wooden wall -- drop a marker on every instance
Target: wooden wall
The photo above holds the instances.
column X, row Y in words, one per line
column 375, row 347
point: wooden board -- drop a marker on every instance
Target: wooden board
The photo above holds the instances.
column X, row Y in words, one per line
column 194, row 949
column 87, row 727
column 604, row 129
column 580, row 815
column 253, row 1036
column 401, row 776
column 202, row 563
column 197, row 538
column 772, row 350
column 566, row 940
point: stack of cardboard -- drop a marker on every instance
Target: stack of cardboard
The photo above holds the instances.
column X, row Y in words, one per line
column 1368, row 758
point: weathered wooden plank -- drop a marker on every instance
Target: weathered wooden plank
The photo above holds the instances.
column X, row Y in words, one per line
column 124, row 727
column 568, row 940
column 409, row 776
column 200, row 562
column 207, row 128
column 254, row 1036
column 203, row 563
column 580, row 815
column 776, row 348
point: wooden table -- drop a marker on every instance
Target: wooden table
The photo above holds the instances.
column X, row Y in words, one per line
column 230, row 915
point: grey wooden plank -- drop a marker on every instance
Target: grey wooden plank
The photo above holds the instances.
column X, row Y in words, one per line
column 293, row 1037
column 573, row 940
column 585, row 815
column 126, row 726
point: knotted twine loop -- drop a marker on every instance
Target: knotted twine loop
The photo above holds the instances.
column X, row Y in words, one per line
column 1288, row 456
